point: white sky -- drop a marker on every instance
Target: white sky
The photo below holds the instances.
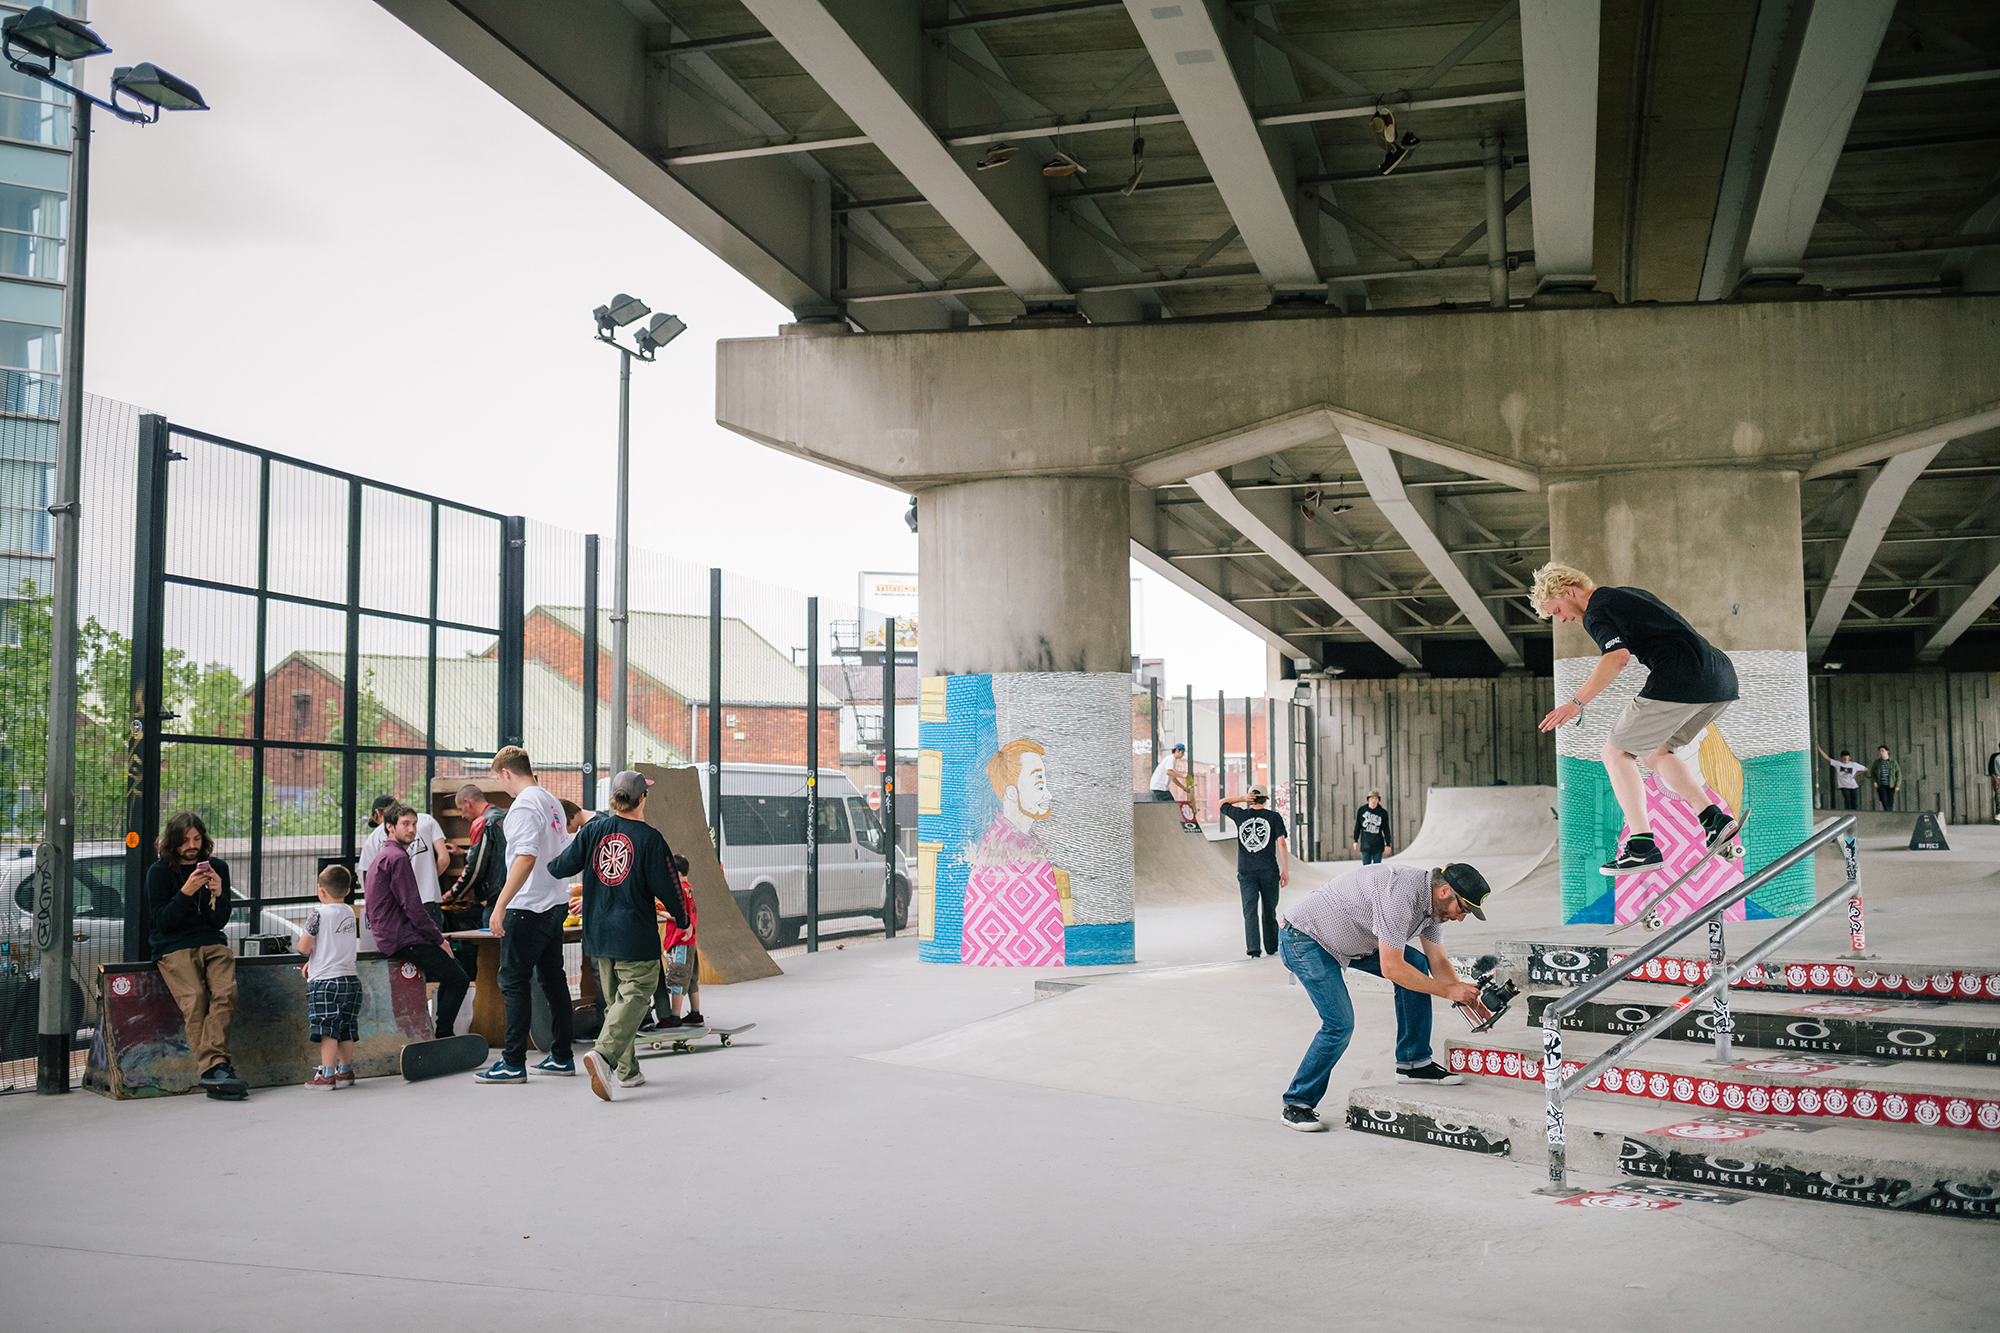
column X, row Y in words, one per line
column 364, row 257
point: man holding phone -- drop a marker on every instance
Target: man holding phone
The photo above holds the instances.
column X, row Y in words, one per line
column 187, row 906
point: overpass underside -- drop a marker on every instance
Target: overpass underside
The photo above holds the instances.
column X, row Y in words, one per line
column 1692, row 296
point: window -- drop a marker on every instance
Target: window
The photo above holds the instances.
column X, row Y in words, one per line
column 301, row 712
column 833, row 822
column 764, row 821
column 32, row 226
column 867, row 828
column 25, row 487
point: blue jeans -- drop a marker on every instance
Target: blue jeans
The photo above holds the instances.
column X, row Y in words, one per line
column 1369, row 858
column 1319, row 972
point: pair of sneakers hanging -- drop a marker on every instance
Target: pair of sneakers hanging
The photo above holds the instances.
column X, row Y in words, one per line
column 1641, row 854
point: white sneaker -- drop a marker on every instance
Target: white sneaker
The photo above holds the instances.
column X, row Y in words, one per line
column 637, row 1080
column 603, row 1078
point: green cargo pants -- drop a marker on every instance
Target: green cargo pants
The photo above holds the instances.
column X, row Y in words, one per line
column 627, row 988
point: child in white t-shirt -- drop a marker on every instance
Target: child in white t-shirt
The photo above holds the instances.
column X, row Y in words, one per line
column 330, row 943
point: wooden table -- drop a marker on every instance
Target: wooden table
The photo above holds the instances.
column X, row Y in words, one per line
column 489, row 1010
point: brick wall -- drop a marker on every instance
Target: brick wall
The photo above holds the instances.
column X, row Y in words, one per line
column 768, row 735
column 652, row 706
column 302, row 702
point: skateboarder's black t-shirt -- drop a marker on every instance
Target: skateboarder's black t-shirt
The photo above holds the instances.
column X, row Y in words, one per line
column 1371, row 828
column 626, row 867
column 1258, row 829
column 1686, row 668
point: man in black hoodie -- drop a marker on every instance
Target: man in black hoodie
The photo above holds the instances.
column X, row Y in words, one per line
column 187, row 905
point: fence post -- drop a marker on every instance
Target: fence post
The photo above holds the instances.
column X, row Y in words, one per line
column 513, row 626
column 350, row 694
column 590, row 672
column 142, row 766
column 889, row 896
column 812, row 775
column 715, row 708
column 1153, row 716
column 1221, row 758
column 1194, row 802
column 1552, row 1082
column 259, row 704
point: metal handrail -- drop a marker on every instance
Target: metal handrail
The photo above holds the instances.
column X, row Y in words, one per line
column 1722, row 976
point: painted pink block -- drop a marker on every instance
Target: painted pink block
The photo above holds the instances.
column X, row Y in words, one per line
column 1678, row 834
column 1013, row 916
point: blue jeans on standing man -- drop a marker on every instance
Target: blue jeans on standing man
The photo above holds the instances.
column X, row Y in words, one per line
column 1371, row 857
column 1319, row 972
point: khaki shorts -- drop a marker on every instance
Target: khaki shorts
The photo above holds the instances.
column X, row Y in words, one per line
column 1648, row 724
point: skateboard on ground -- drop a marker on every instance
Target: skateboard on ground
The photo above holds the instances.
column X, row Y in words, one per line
column 1725, row 846
column 674, row 1041
column 446, row 1055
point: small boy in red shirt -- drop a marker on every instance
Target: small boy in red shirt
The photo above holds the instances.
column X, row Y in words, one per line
column 682, row 972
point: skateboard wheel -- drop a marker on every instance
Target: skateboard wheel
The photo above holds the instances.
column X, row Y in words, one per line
column 725, row 1041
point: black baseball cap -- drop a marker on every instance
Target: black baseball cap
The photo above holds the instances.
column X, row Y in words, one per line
column 1470, row 886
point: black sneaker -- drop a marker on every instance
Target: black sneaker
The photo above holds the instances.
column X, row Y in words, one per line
column 1431, row 1073
column 218, row 1075
column 693, row 1019
column 1302, row 1118
column 1639, row 856
column 1254, row 954
column 1715, row 822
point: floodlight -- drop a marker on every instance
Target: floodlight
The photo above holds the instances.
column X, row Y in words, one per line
column 624, row 309
column 56, row 36
column 662, row 330
column 910, row 517
column 150, row 83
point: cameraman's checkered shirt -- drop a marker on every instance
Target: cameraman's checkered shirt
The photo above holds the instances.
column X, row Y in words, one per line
column 1350, row 914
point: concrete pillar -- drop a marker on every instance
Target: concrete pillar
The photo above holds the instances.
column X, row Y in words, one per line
column 1024, row 778
column 1722, row 547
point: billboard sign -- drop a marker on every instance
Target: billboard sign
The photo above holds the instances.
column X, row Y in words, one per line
column 881, row 595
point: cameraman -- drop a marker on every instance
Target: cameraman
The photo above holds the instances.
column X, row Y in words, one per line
column 1364, row 919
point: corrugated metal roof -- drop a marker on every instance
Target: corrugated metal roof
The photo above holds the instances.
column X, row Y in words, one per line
column 673, row 650
column 468, row 689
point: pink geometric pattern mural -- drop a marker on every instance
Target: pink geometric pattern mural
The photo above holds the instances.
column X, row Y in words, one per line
column 1013, row 916
column 1678, row 834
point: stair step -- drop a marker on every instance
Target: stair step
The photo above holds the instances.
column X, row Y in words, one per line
column 1923, row 1097
column 1558, row 964
column 1879, row 1029
column 1858, row 1163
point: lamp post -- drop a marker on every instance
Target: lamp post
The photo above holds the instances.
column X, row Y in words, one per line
column 32, row 43
column 659, row 331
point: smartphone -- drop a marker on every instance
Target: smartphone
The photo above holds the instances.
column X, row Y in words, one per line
column 201, row 867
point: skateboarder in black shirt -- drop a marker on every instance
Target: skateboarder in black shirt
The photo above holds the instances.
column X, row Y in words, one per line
column 1371, row 830
column 1692, row 684
column 1263, row 866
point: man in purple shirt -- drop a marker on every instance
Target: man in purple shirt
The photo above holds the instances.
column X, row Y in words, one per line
column 403, row 930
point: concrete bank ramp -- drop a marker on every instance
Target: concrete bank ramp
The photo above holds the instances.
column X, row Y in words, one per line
column 1172, row 865
column 1504, row 831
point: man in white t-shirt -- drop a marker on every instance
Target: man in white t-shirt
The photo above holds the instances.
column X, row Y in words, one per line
column 1846, row 776
column 1166, row 777
column 430, row 854
column 528, row 916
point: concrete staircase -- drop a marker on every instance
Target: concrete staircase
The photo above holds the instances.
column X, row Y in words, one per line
column 1877, row 1089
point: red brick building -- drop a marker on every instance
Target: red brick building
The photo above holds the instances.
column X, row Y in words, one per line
column 763, row 693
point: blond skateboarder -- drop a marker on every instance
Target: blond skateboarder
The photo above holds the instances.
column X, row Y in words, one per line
column 1691, row 685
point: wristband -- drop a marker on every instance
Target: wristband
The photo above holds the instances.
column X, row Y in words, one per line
column 1578, row 702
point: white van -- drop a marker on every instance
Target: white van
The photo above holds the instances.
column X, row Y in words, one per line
column 764, row 849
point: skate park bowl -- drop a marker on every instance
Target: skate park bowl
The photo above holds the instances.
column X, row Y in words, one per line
column 1172, row 866
column 1503, row 832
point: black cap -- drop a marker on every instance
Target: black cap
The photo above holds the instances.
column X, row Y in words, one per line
column 1468, row 884
column 383, row 803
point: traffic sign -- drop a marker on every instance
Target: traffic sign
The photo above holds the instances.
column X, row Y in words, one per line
column 875, row 800
column 881, row 763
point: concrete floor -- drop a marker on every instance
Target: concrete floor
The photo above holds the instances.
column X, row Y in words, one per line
column 906, row 1147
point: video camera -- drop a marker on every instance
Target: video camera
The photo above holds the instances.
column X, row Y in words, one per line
column 1495, row 994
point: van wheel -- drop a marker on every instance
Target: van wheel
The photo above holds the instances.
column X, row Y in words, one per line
column 902, row 903
column 771, row 929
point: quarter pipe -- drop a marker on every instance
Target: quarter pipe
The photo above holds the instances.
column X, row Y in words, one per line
column 1503, row 831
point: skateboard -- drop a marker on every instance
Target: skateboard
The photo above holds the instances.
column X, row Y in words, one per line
column 446, row 1055
column 675, row 1041
column 1725, row 846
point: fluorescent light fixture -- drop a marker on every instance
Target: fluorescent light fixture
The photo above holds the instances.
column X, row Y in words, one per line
column 57, row 36
column 150, row 83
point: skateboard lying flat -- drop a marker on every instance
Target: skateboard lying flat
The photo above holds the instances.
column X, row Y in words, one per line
column 674, row 1041
column 446, row 1055
column 1725, row 846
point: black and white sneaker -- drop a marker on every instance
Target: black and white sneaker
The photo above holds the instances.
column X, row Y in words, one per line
column 1717, row 823
column 1430, row 1073
column 1639, row 856
column 1302, row 1118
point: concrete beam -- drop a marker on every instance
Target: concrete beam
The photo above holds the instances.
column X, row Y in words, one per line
column 1313, row 423
column 837, row 62
column 1212, row 599
column 1969, row 610
column 1385, row 487
column 1215, row 492
column 1559, row 41
column 1837, row 50
column 1193, row 62
column 1878, row 509
column 1938, row 432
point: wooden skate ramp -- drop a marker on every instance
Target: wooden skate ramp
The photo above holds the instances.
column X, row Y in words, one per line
column 1503, row 831
column 1172, row 866
column 729, row 949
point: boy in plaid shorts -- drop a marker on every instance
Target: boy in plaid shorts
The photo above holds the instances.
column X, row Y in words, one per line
column 330, row 943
